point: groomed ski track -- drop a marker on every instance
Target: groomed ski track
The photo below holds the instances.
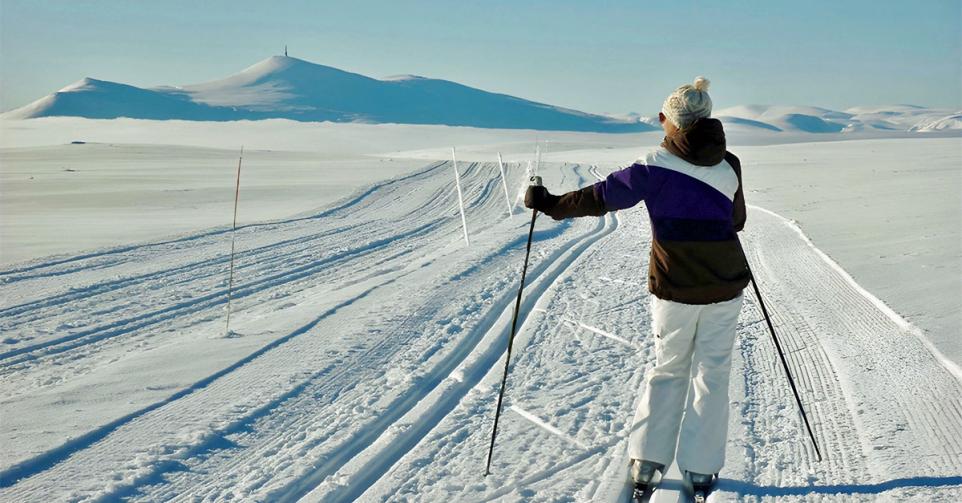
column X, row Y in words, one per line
column 366, row 352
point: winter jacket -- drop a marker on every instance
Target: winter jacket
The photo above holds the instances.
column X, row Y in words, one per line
column 692, row 187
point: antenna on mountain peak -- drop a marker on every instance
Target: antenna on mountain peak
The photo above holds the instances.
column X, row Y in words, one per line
column 285, row 50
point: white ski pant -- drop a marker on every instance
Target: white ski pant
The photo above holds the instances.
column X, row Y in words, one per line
column 693, row 347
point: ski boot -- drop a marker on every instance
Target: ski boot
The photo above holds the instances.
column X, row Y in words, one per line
column 645, row 476
column 700, row 485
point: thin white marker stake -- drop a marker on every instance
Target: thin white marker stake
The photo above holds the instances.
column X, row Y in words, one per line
column 522, row 187
column 233, row 233
column 457, row 182
column 504, row 184
column 537, row 155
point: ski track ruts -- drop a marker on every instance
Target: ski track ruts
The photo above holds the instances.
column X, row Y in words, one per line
column 409, row 248
column 871, row 389
column 178, row 311
column 581, row 392
column 8, row 378
column 116, row 429
column 98, row 287
column 587, row 398
column 302, row 413
column 210, row 300
column 8, row 381
column 279, row 399
column 898, row 367
column 344, row 451
column 776, row 447
column 235, row 455
column 353, row 484
column 242, row 290
column 541, row 279
column 244, row 257
column 196, row 304
column 168, row 276
column 360, row 475
column 48, row 266
column 856, row 442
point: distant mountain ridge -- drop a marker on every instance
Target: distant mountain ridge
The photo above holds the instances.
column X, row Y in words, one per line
column 290, row 88
column 779, row 118
column 823, row 120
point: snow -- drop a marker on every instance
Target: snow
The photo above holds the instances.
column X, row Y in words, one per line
column 367, row 340
column 281, row 87
column 291, row 88
column 939, row 124
column 74, row 197
column 740, row 121
column 823, row 120
column 886, row 209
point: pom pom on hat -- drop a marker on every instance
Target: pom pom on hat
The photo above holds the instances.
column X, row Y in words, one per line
column 701, row 84
column 688, row 103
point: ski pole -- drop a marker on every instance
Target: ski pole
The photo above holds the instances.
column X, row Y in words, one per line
column 230, row 281
column 535, row 180
column 781, row 355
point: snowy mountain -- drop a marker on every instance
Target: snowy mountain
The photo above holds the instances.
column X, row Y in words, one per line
column 100, row 99
column 937, row 124
column 291, row 88
column 824, row 120
column 802, row 119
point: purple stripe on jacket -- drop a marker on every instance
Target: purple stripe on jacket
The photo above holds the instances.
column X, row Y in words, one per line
column 681, row 207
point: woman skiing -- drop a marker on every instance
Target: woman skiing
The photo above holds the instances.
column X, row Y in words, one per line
column 692, row 188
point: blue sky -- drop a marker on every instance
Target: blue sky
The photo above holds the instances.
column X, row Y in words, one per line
column 595, row 56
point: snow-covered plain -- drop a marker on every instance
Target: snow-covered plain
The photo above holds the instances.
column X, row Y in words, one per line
column 367, row 340
column 64, row 198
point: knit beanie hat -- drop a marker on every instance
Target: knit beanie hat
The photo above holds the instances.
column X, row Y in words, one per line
column 688, row 103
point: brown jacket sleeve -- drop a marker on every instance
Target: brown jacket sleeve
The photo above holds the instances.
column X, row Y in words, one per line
column 579, row 203
column 738, row 211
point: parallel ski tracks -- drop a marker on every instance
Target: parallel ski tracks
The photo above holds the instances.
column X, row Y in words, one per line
column 303, row 396
column 547, row 336
column 194, row 305
column 480, row 197
column 260, row 252
column 545, row 275
column 237, row 460
column 126, row 253
column 271, row 265
column 874, row 413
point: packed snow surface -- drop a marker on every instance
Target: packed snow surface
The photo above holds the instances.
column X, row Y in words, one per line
column 367, row 341
column 886, row 208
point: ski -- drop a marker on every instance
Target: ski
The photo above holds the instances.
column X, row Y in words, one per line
column 642, row 492
column 701, row 487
